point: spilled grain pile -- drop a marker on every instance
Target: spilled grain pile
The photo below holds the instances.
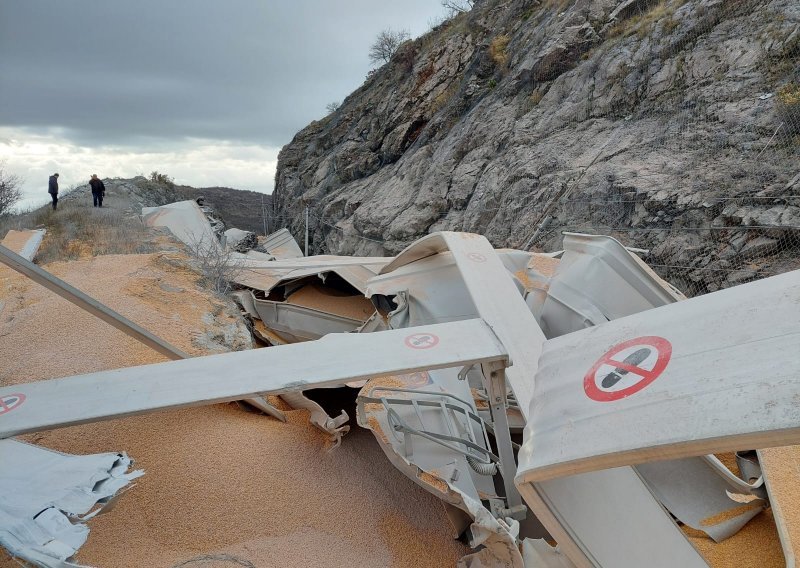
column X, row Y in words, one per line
column 221, row 483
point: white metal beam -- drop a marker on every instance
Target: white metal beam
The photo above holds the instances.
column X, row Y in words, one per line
column 332, row 360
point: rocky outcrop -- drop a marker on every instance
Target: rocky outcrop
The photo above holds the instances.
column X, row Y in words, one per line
column 660, row 122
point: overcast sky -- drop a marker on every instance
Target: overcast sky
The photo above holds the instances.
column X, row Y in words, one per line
column 206, row 91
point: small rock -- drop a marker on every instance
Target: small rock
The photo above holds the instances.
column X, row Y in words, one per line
column 738, row 241
column 760, row 246
column 740, row 276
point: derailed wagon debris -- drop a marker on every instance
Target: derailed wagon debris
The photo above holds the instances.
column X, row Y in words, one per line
column 48, row 496
column 281, row 245
column 449, row 426
column 25, row 243
column 186, row 221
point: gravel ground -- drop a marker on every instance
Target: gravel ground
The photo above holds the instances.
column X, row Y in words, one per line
column 223, row 487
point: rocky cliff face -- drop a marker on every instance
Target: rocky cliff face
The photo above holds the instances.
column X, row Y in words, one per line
column 668, row 124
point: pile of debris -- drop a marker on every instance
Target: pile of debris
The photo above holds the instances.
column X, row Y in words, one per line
column 439, row 347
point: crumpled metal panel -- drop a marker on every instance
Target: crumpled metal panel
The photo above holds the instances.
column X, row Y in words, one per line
column 302, row 323
column 48, row 496
column 265, row 275
column 489, row 285
column 700, row 496
column 186, row 221
column 281, row 244
column 597, row 280
column 609, row 519
column 25, row 243
column 234, row 236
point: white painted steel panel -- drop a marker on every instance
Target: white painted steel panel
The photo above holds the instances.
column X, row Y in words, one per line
column 332, row 360
column 302, row 322
column 33, row 239
column 609, row 519
column 186, row 221
column 732, row 381
column 265, row 275
column 281, row 244
column 47, row 496
column 781, row 488
column 598, row 280
column 500, row 304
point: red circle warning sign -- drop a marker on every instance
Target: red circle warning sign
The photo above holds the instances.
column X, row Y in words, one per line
column 627, row 368
column 9, row 402
column 422, row 340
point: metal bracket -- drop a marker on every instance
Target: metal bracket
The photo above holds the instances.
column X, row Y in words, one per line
column 494, row 378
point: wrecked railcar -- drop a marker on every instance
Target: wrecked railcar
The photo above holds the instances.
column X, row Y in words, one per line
column 473, row 353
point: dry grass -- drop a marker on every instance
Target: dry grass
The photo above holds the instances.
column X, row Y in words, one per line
column 789, row 106
column 498, row 50
column 643, row 22
column 76, row 231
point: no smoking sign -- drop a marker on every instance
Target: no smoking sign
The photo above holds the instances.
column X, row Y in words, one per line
column 10, row 401
column 422, row 341
column 627, row 368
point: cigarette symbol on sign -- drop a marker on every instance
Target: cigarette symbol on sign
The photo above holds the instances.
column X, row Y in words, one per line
column 627, row 368
column 630, row 361
column 10, row 401
column 421, row 340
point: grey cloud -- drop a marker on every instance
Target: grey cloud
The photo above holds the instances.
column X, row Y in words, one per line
column 125, row 72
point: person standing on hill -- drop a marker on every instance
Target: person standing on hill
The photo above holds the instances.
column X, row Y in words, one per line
column 52, row 189
column 98, row 190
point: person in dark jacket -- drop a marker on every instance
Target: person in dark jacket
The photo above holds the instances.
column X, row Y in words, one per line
column 98, row 190
column 52, row 189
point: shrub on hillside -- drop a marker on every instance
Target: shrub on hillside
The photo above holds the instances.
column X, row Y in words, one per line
column 163, row 179
column 217, row 265
column 789, row 106
column 497, row 50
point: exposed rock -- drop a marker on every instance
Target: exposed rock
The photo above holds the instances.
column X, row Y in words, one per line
column 637, row 118
column 223, row 334
column 760, row 246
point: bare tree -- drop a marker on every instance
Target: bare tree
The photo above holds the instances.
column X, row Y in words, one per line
column 332, row 107
column 386, row 44
column 455, row 7
column 10, row 192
